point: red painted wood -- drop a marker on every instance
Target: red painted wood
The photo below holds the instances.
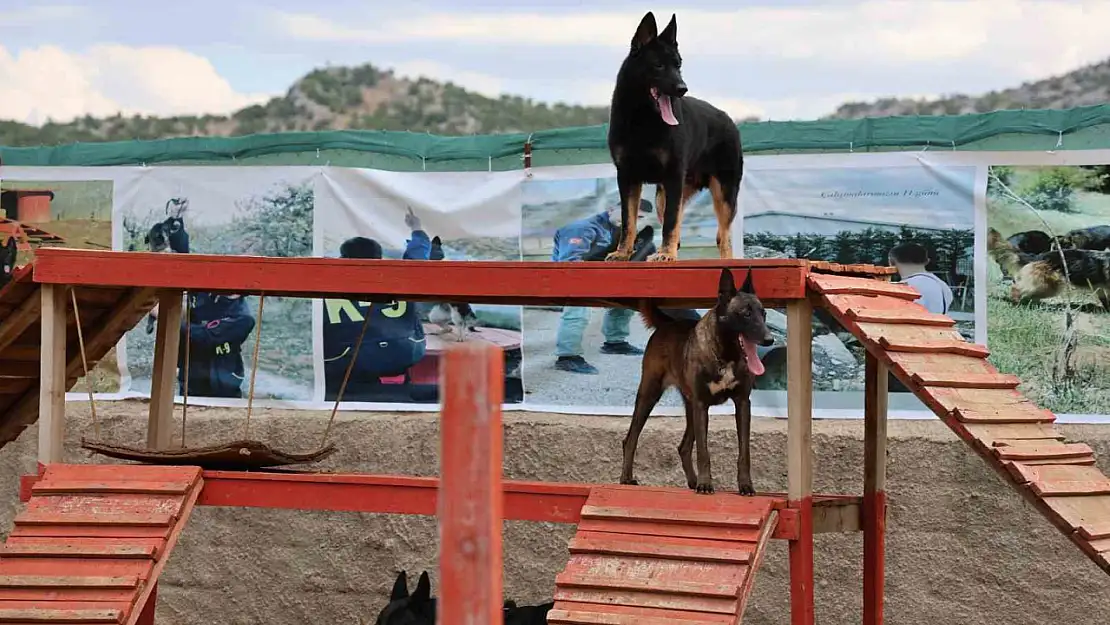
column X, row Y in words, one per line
column 663, row 547
column 146, row 616
column 691, row 517
column 843, row 285
column 874, row 556
column 470, row 497
column 801, row 566
column 692, row 282
column 59, row 487
column 570, row 613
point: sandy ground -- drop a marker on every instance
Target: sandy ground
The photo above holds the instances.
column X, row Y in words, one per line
column 618, row 376
column 963, row 549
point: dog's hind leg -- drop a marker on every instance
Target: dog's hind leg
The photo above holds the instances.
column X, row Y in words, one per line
column 724, row 206
column 686, row 447
column 651, row 389
column 630, row 207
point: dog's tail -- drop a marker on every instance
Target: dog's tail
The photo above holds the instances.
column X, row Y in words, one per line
column 653, row 316
column 1008, row 257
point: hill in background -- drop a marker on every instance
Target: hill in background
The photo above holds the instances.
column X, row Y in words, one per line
column 366, row 97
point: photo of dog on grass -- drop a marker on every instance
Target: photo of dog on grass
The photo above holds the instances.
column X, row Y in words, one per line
column 1048, row 305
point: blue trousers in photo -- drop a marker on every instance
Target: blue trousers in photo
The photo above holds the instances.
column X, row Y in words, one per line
column 572, row 326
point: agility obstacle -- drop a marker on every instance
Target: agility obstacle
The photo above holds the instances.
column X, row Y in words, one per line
column 641, row 554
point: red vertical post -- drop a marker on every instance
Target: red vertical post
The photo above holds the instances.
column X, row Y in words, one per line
column 470, row 495
column 874, row 489
column 146, row 617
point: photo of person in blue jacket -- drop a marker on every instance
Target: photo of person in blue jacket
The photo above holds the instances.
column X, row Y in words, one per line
column 394, row 340
column 216, row 327
column 591, row 239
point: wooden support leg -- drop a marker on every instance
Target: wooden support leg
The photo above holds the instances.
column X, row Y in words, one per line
column 799, row 389
column 164, row 378
column 146, row 617
column 52, row 374
column 470, row 496
column 874, row 489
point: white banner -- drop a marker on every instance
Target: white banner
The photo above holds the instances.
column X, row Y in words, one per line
column 851, row 208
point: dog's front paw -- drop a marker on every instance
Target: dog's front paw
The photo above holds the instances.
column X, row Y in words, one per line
column 661, row 257
column 618, row 256
column 704, row 488
column 631, row 481
column 747, row 490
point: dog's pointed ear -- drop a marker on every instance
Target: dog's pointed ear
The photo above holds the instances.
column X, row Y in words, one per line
column 645, row 32
column 726, row 288
column 670, row 33
column 748, row 287
column 436, row 240
column 400, row 587
column 423, row 592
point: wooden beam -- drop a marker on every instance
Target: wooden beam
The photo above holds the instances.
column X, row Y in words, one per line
column 874, row 488
column 163, row 380
column 470, row 496
column 799, row 385
column 689, row 284
column 52, row 374
column 23, row 317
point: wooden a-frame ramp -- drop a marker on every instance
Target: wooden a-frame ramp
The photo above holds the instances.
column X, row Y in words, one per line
column 92, row 541
column 952, row 377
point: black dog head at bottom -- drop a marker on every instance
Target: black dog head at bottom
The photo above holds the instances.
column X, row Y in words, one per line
column 418, row 608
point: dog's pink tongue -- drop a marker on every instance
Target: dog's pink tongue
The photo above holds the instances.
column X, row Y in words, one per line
column 755, row 365
column 665, row 110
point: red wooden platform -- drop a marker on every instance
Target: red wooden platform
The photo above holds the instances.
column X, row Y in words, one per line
column 1014, row 436
column 662, row 555
column 92, row 541
column 922, row 349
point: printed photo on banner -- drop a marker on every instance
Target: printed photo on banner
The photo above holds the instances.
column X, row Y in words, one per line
column 591, row 356
column 70, row 213
column 420, row 217
column 258, row 211
column 918, row 219
column 1048, row 304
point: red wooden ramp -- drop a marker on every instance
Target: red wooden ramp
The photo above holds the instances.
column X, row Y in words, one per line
column 649, row 556
column 92, row 542
column 981, row 405
column 107, row 313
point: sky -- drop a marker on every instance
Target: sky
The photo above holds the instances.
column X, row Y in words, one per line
column 775, row 59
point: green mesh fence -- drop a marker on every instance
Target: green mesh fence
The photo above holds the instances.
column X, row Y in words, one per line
column 1072, row 129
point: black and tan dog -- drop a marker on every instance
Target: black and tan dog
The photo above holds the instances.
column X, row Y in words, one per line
column 1041, row 276
column 710, row 361
column 419, row 608
column 681, row 144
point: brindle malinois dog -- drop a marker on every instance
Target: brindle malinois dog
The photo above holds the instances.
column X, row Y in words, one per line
column 710, row 360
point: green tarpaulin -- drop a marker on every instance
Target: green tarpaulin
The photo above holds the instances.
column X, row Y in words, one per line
column 1079, row 128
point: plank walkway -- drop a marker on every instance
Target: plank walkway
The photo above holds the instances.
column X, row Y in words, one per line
column 982, row 406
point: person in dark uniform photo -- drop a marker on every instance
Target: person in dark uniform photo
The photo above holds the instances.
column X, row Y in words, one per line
column 394, row 340
column 590, row 239
column 216, row 329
